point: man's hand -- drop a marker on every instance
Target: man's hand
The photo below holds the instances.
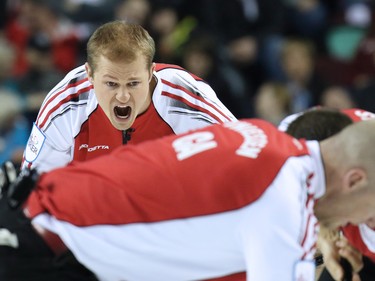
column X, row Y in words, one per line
column 21, row 188
column 352, row 255
column 334, row 248
column 326, row 244
column 16, row 188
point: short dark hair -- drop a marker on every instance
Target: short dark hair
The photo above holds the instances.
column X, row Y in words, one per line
column 318, row 124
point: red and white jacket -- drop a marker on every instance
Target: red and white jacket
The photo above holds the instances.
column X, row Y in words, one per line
column 224, row 199
column 72, row 126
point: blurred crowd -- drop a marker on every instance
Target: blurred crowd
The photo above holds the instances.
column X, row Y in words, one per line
column 264, row 58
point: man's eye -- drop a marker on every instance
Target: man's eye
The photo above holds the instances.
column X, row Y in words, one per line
column 111, row 84
column 134, row 84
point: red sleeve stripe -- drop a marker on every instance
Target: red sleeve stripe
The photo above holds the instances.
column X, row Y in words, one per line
column 309, row 178
column 176, row 96
column 307, row 230
column 309, row 197
column 312, row 249
column 314, row 246
column 54, row 96
column 65, row 100
column 201, row 109
column 24, row 163
column 310, row 227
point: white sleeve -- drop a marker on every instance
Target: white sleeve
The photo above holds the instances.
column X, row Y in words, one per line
column 48, row 150
column 368, row 236
column 51, row 141
column 275, row 244
column 284, row 124
column 186, row 104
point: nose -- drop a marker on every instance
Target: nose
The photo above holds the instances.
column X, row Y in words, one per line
column 123, row 95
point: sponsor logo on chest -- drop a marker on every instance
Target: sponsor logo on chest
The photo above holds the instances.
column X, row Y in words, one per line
column 93, row 148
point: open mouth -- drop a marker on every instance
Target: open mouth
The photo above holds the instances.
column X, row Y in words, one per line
column 122, row 112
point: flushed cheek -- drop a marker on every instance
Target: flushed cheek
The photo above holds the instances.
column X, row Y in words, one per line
column 106, row 105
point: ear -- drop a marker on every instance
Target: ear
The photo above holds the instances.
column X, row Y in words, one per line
column 89, row 72
column 354, row 179
column 152, row 71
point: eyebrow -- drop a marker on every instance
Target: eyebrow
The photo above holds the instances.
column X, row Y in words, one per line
column 114, row 78
column 109, row 76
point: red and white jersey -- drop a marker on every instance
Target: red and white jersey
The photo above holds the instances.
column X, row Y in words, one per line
column 224, row 199
column 360, row 236
column 356, row 114
column 72, row 126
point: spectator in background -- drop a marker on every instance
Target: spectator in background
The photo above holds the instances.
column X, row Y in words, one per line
column 7, row 62
column 134, row 11
column 272, row 102
column 364, row 60
column 348, row 43
column 364, row 64
column 364, row 95
column 337, row 97
column 47, row 44
column 14, row 128
column 200, row 56
column 171, row 27
column 3, row 14
column 87, row 15
column 301, row 78
column 163, row 22
column 249, row 30
column 307, row 18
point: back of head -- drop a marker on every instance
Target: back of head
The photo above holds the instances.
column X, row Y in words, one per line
column 120, row 41
column 349, row 168
column 318, row 124
column 355, row 145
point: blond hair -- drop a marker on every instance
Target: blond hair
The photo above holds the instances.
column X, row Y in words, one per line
column 120, row 41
